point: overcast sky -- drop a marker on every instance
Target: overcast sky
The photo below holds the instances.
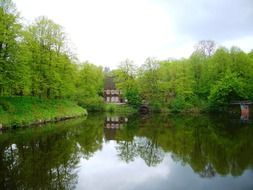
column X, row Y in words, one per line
column 105, row 32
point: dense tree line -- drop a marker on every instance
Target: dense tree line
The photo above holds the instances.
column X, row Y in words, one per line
column 35, row 60
column 210, row 79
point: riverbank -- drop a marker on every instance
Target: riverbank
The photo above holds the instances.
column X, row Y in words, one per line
column 119, row 108
column 24, row 111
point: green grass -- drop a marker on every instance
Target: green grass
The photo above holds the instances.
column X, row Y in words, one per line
column 21, row 111
column 119, row 108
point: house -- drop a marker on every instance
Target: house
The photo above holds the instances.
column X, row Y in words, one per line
column 111, row 94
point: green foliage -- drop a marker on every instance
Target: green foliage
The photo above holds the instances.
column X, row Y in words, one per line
column 177, row 104
column 95, row 104
column 89, row 86
column 155, row 106
column 90, row 81
column 226, row 90
column 209, row 80
column 9, row 47
column 119, row 109
column 149, row 80
column 133, row 98
column 126, row 80
column 7, row 106
column 35, row 60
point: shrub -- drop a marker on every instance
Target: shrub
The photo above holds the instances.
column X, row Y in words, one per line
column 7, row 106
column 224, row 91
column 92, row 104
column 178, row 104
column 133, row 98
column 155, row 106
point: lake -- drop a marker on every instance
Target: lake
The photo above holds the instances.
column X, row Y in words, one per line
column 130, row 152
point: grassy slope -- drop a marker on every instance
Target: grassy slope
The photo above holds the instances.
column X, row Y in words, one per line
column 26, row 110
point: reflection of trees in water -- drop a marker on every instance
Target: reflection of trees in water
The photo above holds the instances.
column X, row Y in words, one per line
column 208, row 145
column 38, row 164
column 127, row 150
column 90, row 138
column 208, row 171
column 130, row 144
column 46, row 158
column 147, row 149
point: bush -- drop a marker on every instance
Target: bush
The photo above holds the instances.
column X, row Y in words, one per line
column 228, row 89
column 92, row 104
column 111, row 108
column 178, row 104
column 6, row 106
column 119, row 109
column 133, row 98
column 155, row 106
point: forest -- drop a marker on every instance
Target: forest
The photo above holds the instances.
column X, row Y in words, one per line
column 36, row 61
column 209, row 80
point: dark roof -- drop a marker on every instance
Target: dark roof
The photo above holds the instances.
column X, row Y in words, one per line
column 109, row 83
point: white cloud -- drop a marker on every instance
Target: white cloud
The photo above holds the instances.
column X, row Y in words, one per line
column 107, row 32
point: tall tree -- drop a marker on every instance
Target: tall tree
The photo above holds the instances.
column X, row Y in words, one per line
column 149, row 80
column 49, row 60
column 126, row 80
column 9, row 35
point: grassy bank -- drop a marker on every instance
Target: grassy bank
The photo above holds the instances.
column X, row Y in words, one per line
column 22, row 111
column 119, row 108
column 99, row 105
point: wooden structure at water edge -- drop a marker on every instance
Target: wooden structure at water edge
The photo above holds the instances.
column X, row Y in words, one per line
column 245, row 108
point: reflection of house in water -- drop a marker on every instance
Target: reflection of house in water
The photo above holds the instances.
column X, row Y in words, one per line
column 115, row 122
column 244, row 112
column 111, row 94
column 111, row 126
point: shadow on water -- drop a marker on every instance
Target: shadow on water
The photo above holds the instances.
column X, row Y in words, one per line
column 48, row 157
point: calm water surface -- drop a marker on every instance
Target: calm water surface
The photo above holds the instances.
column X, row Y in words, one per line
column 134, row 152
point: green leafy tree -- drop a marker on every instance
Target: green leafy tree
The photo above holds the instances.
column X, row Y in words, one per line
column 50, row 63
column 126, row 80
column 11, row 71
column 226, row 90
column 90, row 86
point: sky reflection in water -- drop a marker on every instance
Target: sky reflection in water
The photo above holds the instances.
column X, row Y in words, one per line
column 154, row 152
column 106, row 171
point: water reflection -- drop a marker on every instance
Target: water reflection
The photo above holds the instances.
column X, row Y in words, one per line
column 115, row 122
column 66, row 155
